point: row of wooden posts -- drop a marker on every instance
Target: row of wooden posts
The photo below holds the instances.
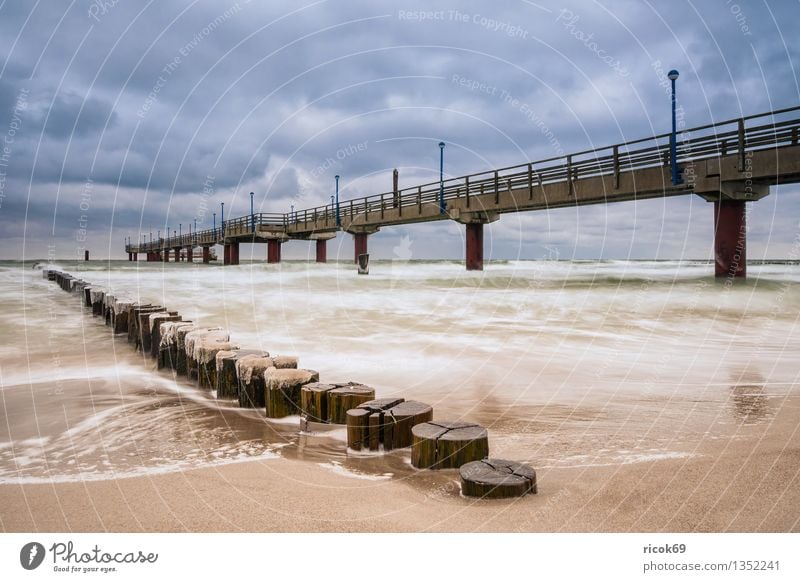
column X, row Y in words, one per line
column 274, row 383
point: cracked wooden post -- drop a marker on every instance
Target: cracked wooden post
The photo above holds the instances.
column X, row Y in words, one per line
column 344, row 397
column 119, row 320
column 204, row 353
column 250, row 373
column 329, row 403
column 448, row 445
column 314, row 401
column 197, row 360
column 168, row 345
column 497, row 479
column 228, row 385
column 156, row 319
column 143, row 331
column 181, row 365
column 385, row 422
column 282, row 390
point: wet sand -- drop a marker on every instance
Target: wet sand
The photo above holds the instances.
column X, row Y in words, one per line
column 747, row 484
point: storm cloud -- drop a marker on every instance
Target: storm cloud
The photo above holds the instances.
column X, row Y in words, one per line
column 123, row 118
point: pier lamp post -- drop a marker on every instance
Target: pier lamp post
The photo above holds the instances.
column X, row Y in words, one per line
column 291, row 212
column 215, row 224
column 195, row 227
column 180, row 229
column 441, row 178
column 159, row 236
column 222, row 218
column 252, row 214
column 338, row 218
column 673, row 139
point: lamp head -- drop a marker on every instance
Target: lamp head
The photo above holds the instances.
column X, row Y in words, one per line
column 441, row 144
column 672, row 75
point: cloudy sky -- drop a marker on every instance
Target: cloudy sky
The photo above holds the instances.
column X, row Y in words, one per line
column 120, row 117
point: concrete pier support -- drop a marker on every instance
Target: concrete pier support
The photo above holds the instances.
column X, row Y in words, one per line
column 474, row 251
column 189, row 254
column 360, row 244
column 730, row 238
column 322, row 251
column 474, row 222
column 274, row 250
column 130, row 256
column 231, row 254
column 166, row 255
column 177, row 254
column 206, row 255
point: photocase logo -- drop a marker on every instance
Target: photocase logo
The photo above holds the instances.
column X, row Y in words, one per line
column 31, row 555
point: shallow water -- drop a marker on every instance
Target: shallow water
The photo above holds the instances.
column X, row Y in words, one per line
column 568, row 363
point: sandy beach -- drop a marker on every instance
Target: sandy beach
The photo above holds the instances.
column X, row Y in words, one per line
column 750, row 484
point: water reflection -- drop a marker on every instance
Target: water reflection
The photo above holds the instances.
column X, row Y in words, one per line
column 750, row 403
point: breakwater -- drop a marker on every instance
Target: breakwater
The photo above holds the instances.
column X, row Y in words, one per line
column 277, row 385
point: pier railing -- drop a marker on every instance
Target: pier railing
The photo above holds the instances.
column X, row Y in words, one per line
column 733, row 136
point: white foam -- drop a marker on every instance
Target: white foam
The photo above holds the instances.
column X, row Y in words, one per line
column 336, row 467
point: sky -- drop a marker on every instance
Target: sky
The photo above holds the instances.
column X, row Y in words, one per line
column 122, row 118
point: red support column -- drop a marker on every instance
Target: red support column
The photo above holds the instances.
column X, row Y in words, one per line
column 273, row 250
column 130, row 257
column 234, row 258
column 166, row 255
column 189, row 254
column 730, row 238
column 177, row 254
column 135, row 256
column 206, row 255
column 226, row 254
column 86, row 255
column 360, row 239
column 322, row 251
column 475, row 246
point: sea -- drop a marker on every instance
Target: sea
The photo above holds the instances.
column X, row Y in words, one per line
column 568, row 364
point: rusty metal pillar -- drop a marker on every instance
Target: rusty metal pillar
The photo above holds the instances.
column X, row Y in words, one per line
column 206, row 255
column 360, row 239
column 730, row 238
column 475, row 246
column 234, row 253
column 86, row 255
column 189, row 254
column 135, row 256
column 166, row 255
column 177, row 254
column 322, row 251
column 273, row 250
column 130, row 256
